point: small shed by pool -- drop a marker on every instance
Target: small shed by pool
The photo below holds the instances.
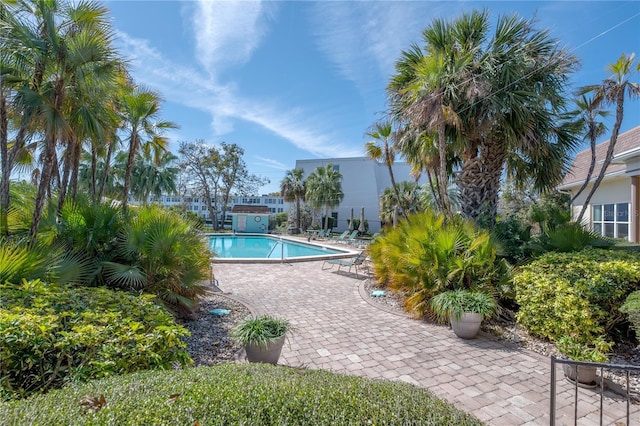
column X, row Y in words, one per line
column 253, row 219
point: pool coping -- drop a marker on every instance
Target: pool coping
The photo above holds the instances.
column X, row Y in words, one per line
column 347, row 251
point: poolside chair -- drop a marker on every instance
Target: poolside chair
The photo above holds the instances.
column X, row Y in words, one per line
column 353, row 262
column 341, row 237
column 352, row 238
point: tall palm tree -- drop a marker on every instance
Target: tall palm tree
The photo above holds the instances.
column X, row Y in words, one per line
column 613, row 90
column 153, row 176
column 588, row 113
column 497, row 101
column 293, row 188
column 141, row 110
column 324, row 189
column 381, row 148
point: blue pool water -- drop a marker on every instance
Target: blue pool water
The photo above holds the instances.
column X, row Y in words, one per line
column 229, row 246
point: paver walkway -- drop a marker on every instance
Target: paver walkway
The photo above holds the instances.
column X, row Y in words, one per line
column 337, row 329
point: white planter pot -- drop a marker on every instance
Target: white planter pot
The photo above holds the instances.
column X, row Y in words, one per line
column 468, row 326
column 268, row 355
column 585, row 374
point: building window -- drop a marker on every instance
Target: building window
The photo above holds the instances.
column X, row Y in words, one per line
column 611, row 220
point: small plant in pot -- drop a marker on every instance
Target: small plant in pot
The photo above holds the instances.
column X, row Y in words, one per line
column 576, row 349
column 262, row 337
column 464, row 309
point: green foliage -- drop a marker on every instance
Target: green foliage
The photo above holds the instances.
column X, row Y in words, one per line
column 568, row 237
column 454, row 303
column 260, row 330
column 553, row 209
column 53, row 334
column 631, row 307
column 574, row 348
column 237, row 394
column 425, row 256
column 18, row 261
column 513, row 236
column 560, row 293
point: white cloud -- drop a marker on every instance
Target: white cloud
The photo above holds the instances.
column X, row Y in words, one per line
column 364, row 39
column 271, row 163
column 228, row 32
column 195, row 89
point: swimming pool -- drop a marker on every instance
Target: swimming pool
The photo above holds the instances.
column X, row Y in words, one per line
column 264, row 248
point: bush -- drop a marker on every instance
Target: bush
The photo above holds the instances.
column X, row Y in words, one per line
column 561, row 293
column 236, row 394
column 631, row 307
column 54, row 334
column 425, row 256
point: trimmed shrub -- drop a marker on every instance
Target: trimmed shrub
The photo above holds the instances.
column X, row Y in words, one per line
column 52, row 334
column 237, row 394
column 426, row 255
column 631, row 307
column 563, row 293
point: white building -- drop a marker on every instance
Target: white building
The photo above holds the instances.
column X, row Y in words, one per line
column 195, row 204
column 363, row 182
column 613, row 210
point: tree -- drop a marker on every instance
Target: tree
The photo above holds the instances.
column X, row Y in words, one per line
column 200, row 165
column 381, row 148
column 613, row 90
column 324, row 189
column 497, row 101
column 292, row 188
column 141, row 110
column 153, row 176
column 588, row 112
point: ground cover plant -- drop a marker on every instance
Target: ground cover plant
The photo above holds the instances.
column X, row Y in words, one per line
column 236, row 394
column 581, row 292
column 426, row 255
column 54, row 334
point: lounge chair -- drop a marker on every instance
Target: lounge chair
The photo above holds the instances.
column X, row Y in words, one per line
column 353, row 262
column 341, row 237
column 352, row 238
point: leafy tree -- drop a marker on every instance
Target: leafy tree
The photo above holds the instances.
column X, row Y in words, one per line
column 496, row 100
column 292, row 188
column 324, row 190
column 153, row 176
column 613, row 90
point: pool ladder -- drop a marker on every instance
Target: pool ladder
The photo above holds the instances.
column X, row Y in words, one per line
column 274, row 247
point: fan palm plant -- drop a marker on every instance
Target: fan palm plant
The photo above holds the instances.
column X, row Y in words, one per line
column 293, row 188
column 324, row 189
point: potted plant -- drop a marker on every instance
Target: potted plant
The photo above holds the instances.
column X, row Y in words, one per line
column 465, row 310
column 262, row 337
column 575, row 349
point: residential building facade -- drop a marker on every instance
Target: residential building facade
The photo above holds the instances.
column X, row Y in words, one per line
column 613, row 209
column 363, row 182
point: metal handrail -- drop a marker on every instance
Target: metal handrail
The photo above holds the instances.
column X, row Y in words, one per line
column 602, row 366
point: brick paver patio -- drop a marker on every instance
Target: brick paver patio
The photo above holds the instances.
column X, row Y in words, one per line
column 339, row 329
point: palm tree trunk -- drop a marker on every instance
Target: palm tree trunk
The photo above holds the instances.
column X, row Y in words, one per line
column 609, row 156
column 298, row 223
column 45, row 179
column 62, row 191
column 133, row 147
column 326, row 218
column 105, row 172
column 4, row 164
column 75, row 170
column 442, row 152
column 394, row 186
column 592, row 165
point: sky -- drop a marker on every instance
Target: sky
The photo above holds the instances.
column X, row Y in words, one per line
column 289, row 80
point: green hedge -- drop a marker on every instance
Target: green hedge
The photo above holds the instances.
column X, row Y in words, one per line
column 52, row 334
column 581, row 292
column 631, row 307
column 236, row 394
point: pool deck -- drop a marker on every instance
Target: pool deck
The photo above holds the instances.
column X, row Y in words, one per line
column 338, row 328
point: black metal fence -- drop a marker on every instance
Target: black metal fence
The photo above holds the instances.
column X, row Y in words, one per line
column 599, row 384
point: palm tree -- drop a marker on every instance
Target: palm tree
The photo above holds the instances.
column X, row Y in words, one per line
column 293, row 188
column 496, row 101
column 588, row 113
column 140, row 110
column 382, row 148
column 324, row 189
column 613, row 90
column 152, row 176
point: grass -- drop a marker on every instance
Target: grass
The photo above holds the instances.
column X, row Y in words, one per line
column 235, row 394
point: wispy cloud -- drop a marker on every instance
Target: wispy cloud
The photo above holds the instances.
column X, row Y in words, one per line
column 271, row 163
column 228, row 32
column 364, row 39
column 201, row 91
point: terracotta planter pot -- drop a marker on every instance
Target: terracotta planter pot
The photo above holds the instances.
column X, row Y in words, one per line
column 585, row 374
column 268, row 355
column 468, row 326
